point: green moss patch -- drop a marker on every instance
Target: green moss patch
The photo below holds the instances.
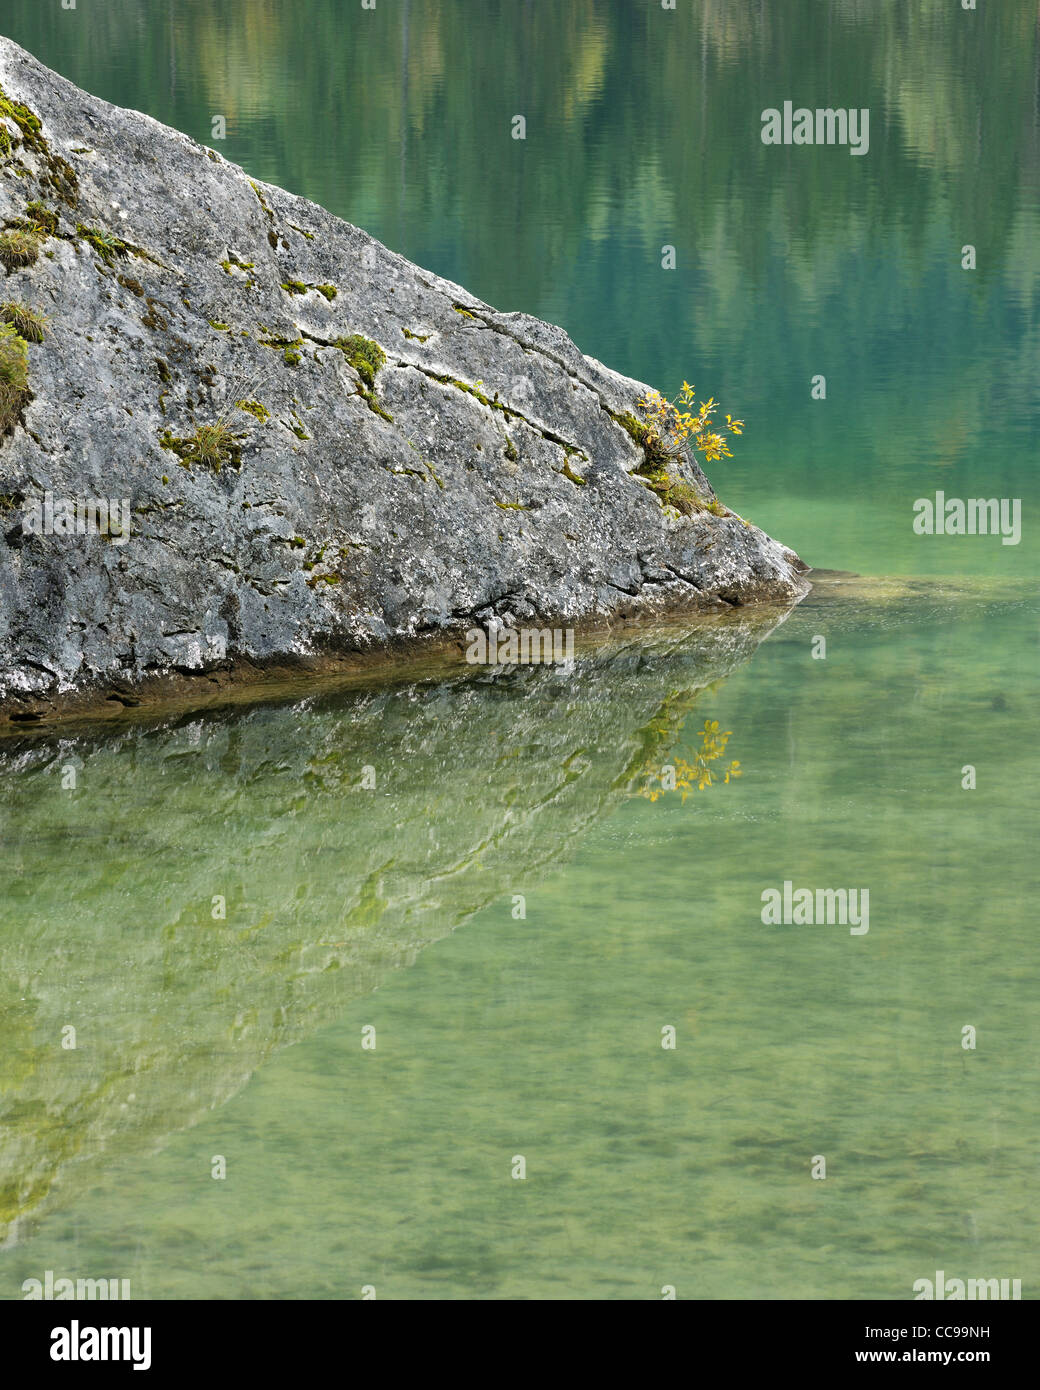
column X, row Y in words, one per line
column 42, row 217
column 26, row 120
column 366, row 357
column 233, row 263
column 261, row 199
column 57, row 174
column 288, row 347
column 297, row 426
column 372, row 401
column 303, row 287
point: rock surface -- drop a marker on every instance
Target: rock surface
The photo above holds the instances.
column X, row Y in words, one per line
column 477, row 473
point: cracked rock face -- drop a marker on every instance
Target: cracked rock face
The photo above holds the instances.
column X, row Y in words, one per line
column 322, row 448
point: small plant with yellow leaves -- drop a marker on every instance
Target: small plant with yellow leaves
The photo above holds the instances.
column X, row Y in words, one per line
column 664, row 433
column 684, row 422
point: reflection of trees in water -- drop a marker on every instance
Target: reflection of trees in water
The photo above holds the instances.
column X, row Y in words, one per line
column 337, row 95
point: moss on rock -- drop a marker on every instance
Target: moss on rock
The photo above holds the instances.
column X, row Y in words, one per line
column 366, row 357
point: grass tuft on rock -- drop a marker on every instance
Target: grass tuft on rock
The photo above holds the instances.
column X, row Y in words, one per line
column 107, row 246
column 28, row 323
column 19, row 247
column 14, row 376
column 210, row 446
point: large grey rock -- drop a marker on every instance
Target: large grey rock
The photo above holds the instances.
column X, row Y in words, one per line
column 484, row 476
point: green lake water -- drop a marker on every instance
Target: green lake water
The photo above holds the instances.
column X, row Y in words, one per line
column 391, row 906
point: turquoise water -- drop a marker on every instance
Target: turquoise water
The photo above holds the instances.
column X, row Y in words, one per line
column 391, row 906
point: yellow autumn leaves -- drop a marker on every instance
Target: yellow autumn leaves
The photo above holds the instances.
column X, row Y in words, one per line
column 684, row 421
column 686, row 776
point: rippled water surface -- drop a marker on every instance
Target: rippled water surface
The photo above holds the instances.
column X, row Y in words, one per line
column 395, row 906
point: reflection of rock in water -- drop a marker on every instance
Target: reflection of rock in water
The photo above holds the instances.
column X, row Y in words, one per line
column 108, row 923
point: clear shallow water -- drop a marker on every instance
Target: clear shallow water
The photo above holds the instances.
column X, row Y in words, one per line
column 391, row 907
column 541, row 1036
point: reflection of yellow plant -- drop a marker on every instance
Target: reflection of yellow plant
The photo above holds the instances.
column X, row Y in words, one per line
column 682, row 776
column 675, row 427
